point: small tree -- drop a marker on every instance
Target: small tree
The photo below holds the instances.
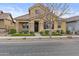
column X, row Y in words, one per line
column 58, row 10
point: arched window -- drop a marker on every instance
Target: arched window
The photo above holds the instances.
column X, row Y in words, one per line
column 38, row 11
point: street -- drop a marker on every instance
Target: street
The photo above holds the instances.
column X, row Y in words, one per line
column 50, row 48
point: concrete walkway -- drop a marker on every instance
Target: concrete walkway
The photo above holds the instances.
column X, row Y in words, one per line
column 37, row 34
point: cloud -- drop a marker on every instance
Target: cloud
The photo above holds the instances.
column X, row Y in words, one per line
column 18, row 11
column 15, row 11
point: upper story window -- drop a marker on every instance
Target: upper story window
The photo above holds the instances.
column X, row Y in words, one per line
column 37, row 11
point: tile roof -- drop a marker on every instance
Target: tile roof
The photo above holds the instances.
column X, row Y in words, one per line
column 24, row 17
column 5, row 16
column 75, row 18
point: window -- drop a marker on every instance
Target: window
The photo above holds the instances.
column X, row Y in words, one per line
column 59, row 26
column 47, row 25
column 25, row 26
column 52, row 26
column 37, row 11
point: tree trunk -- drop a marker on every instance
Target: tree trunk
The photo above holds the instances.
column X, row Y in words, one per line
column 50, row 31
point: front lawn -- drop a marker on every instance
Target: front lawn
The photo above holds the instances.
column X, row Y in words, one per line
column 46, row 33
column 13, row 32
column 20, row 34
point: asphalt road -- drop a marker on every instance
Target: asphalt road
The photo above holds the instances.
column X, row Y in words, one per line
column 59, row 48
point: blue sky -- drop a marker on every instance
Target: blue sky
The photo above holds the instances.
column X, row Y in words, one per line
column 17, row 9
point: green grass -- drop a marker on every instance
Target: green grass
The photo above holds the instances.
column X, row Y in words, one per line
column 53, row 34
column 19, row 34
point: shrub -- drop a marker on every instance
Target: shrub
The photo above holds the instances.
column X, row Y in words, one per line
column 25, row 31
column 47, row 32
column 32, row 33
column 56, row 33
column 44, row 33
column 62, row 32
column 12, row 31
column 41, row 33
column 68, row 32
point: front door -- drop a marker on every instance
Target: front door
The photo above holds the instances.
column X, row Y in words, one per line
column 36, row 26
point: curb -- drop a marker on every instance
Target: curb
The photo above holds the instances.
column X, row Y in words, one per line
column 37, row 37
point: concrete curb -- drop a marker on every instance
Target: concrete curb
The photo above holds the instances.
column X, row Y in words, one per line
column 28, row 39
column 37, row 37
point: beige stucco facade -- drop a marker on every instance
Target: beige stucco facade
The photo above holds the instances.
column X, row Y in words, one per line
column 63, row 26
column 36, row 20
column 6, row 22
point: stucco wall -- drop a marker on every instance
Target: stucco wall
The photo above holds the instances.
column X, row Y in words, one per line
column 63, row 26
column 7, row 24
column 41, row 20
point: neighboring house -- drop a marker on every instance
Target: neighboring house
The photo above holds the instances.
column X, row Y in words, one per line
column 36, row 21
column 6, row 21
column 73, row 24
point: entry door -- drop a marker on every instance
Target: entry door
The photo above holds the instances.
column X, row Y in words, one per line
column 36, row 26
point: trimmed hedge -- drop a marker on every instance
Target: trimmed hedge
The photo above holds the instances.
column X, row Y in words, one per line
column 56, row 33
column 68, row 32
column 45, row 33
column 32, row 33
column 12, row 31
column 24, row 33
column 19, row 34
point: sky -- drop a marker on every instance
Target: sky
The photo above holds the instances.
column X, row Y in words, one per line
column 18, row 9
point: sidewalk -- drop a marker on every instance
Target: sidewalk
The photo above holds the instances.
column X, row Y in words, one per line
column 65, row 36
column 37, row 39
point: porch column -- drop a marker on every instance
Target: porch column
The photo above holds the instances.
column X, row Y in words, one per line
column 17, row 26
column 63, row 26
column 55, row 25
column 41, row 25
column 31, row 26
